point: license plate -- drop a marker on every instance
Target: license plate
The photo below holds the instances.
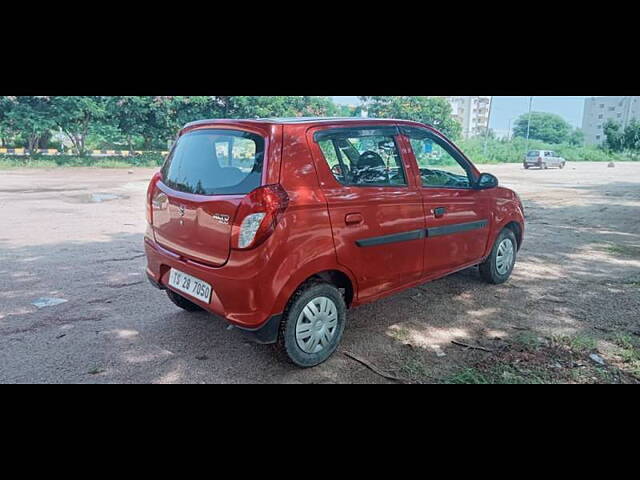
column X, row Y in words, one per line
column 192, row 286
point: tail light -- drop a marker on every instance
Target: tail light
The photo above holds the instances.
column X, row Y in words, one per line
column 150, row 193
column 257, row 216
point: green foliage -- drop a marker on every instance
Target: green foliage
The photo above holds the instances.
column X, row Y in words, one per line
column 576, row 138
column 632, row 136
column 614, row 136
column 435, row 111
column 76, row 116
column 512, row 151
column 546, row 127
column 136, row 122
column 618, row 139
column 275, row 106
column 29, row 117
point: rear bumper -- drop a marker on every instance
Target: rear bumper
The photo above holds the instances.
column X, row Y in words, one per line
column 244, row 301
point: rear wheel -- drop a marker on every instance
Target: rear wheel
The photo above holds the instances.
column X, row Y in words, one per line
column 312, row 324
column 526, row 167
column 498, row 266
column 544, row 165
column 562, row 165
column 182, row 302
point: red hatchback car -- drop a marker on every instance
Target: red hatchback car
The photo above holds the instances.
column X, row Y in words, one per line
column 281, row 225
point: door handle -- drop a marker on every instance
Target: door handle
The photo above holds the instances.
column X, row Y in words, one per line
column 353, row 219
column 439, row 212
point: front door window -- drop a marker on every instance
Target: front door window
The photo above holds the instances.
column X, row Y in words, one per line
column 440, row 166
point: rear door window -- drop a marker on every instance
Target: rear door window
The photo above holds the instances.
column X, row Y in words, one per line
column 363, row 157
column 533, row 153
column 216, row 162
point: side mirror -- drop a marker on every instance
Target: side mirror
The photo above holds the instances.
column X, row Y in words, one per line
column 486, row 181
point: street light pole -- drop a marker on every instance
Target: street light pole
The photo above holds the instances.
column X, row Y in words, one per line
column 528, row 125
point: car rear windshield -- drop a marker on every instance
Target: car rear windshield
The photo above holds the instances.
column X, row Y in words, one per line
column 215, row 162
column 533, row 153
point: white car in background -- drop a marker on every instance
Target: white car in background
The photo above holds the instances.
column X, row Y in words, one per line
column 543, row 159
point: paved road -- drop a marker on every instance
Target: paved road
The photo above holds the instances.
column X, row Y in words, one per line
column 76, row 234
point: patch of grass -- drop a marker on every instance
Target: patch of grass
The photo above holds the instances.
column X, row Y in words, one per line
column 626, row 341
column 629, row 351
column 148, row 159
column 414, row 368
column 400, row 333
column 528, row 339
column 501, row 373
column 578, row 343
column 467, row 375
column 13, row 164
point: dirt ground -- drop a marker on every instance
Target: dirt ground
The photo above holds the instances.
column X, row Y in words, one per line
column 76, row 234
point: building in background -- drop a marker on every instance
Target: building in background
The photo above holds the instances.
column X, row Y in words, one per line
column 597, row 110
column 472, row 112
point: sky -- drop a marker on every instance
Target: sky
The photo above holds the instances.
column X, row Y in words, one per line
column 505, row 109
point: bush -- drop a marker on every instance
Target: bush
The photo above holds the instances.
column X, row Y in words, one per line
column 513, row 151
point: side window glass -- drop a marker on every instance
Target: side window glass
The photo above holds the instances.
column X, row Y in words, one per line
column 367, row 160
column 438, row 167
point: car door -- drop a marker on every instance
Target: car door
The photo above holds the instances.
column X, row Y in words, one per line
column 457, row 216
column 549, row 161
column 374, row 205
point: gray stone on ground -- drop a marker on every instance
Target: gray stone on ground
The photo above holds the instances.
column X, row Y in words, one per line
column 48, row 302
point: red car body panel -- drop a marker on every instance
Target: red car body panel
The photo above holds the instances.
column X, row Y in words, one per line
column 321, row 227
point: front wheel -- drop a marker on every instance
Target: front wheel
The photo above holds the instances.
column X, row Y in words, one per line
column 562, row 165
column 498, row 266
column 312, row 324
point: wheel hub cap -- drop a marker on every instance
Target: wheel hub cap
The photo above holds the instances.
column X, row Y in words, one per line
column 505, row 257
column 316, row 325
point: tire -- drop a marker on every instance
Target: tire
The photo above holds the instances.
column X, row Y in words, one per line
column 526, row 167
column 182, row 302
column 562, row 165
column 544, row 166
column 304, row 342
column 492, row 270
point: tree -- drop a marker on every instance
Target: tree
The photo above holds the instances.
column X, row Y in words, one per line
column 614, row 136
column 153, row 119
column 5, row 124
column 274, row 106
column 547, row 127
column 30, row 117
column 347, row 111
column 576, row 138
column 76, row 116
column 435, row 111
column 632, row 136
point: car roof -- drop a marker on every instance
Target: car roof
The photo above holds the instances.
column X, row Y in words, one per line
column 300, row 120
